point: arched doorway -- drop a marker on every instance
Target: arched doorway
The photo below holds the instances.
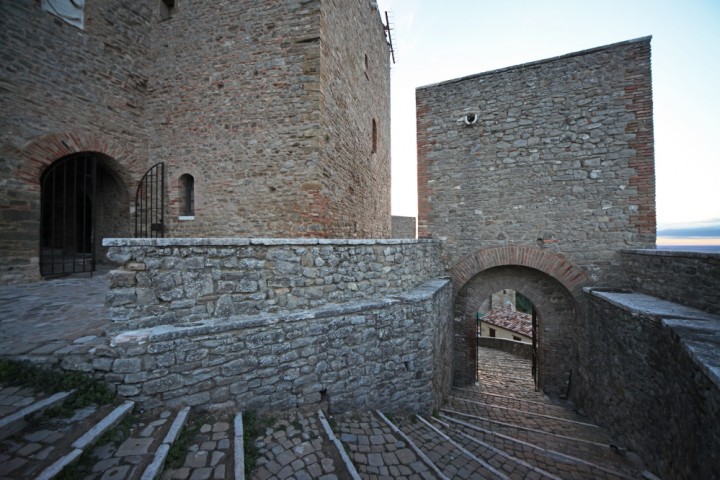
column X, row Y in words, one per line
column 548, row 280
column 82, row 201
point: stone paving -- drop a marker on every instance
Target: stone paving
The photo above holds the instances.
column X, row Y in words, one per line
column 43, row 318
column 209, row 453
column 377, row 452
column 295, row 446
column 25, row 454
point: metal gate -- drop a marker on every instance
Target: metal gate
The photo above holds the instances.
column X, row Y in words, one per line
column 150, row 203
column 67, row 215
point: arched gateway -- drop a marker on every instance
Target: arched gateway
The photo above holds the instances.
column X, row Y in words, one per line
column 551, row 282
column 82, row 201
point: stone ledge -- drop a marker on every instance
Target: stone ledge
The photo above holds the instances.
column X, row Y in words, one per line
column 671, row 253
column 697, row 331
column 235, row 241
column 219, row 325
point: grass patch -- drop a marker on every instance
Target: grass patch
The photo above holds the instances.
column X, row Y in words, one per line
column 88, row 391
column 179, row 448
column 253, row 427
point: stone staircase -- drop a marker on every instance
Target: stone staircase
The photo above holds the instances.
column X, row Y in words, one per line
column 500, row 428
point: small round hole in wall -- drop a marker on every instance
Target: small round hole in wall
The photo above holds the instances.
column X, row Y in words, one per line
column 471, row 118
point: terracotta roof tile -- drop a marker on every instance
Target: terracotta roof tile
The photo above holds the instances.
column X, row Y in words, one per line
column 510, row 320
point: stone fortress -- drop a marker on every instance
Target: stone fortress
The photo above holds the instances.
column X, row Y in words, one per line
column 232, row 160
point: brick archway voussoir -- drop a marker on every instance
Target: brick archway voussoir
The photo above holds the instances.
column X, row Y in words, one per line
column 553, row 264
column 42, row 151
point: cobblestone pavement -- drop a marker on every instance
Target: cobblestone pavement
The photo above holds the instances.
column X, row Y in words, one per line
column 44, row 317
column 296, row 446
column 377, row 452
column 208, row 454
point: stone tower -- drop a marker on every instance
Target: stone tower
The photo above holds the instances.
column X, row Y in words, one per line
column 265, row 118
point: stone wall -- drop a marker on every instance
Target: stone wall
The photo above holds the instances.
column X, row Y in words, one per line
column 66, row 90
column 555, row 154
column 354, row 140
column 687, row 278
column 403, row 227
column 278, row 110
column 392, row 353
column 520, row 349
column 177, row 281
column 268, row 107
column 643, row 372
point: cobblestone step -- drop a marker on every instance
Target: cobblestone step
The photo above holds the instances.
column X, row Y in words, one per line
column 557, row 424
column 554, row 460
column 595, row 452
column 376, row 450
column 450, row 458
column 46, row 445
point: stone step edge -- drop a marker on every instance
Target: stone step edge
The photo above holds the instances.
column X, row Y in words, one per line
column 339, row 446
column 463, row 450
column 527, row 429
column 501, row 452
column 415, row 448
column 525, row 412
column 87, row 439
column 158, row 461
column 15, row 421
column 239, row 447
column 544, row 451
column 546, row 404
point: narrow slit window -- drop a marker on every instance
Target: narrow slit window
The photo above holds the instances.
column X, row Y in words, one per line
column 374, row 136
column 187, row 195
column 167, row 8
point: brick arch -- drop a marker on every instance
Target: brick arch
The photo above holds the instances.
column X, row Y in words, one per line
column 553, row 264
column 549, row 280
column 40, row 152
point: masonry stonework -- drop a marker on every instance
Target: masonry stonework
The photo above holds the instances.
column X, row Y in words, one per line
column 278, row 111
column 555, row 154
column 178, row 281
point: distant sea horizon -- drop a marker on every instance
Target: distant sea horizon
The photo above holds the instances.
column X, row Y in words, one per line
column 690, row 248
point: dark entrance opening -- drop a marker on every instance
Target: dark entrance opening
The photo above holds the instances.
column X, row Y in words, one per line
column 81, row 202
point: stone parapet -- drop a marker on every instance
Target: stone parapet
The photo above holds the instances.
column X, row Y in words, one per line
column 179, row 281
column 687, row 278
column 649, row 371
column 393, row 353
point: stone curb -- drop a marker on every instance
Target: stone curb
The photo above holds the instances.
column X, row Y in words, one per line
column 14, row 422
column 348, row 463
column 53, row 470
column 239, row 448
column 415, row 448
column 239, row 241
column 105, row 424
column 158, row 462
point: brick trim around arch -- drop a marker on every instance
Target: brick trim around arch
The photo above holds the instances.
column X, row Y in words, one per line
column 557, row 266
column 37, row 155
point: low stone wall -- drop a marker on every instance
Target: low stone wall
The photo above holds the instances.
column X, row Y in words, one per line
column 687, row 278
column 174, row 281
column 394, row 354
column 520, row 349
column 648, row 371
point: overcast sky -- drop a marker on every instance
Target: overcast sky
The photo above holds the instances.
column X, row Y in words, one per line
column 438, row 41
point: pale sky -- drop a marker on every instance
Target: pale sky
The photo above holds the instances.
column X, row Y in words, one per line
column 437, row 41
